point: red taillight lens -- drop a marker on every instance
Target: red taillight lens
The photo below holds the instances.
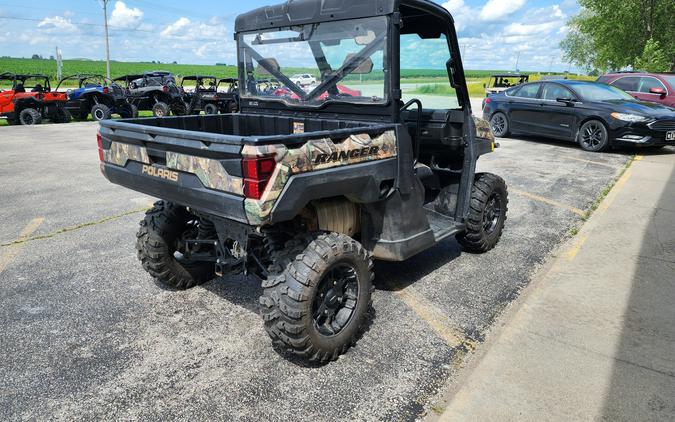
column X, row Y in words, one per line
column 257, row 172
column 488, row 100
column 165, row 88
column 100, row 146
column 106, row 90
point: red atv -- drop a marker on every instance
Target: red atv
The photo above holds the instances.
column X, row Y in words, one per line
column 30, row 99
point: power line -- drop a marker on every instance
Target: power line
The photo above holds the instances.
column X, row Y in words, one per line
column 116, row 28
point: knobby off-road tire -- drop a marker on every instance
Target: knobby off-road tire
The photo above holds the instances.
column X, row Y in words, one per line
column 487, row 213
column 100, row 112
column 29, row 117
column 158, row 240
column 210, row 109
column 125, row 111
column 306, row 278
column 62, row 116
column 160, row 109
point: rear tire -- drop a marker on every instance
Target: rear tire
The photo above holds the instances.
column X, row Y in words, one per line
column 125, row 111
column 134, row 111
column 100, row 112
column 158, row 241
column 499, row 124
column 30, row 116
column 316, row 298
column 62, row 115
column 179, row 108
column 210, row 109
column 160, row 109
column 487, row 214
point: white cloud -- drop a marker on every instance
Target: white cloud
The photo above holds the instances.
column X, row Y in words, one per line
column 530, row 29
column 125, row 17
column 177, row 29
column 56, row 23
column 495, row 10
column 461, row 13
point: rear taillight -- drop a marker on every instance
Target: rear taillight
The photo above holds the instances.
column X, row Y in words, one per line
column 165, row 88
column 99, row 140
column 488, row 100
column 257, row 172
column 106, row 90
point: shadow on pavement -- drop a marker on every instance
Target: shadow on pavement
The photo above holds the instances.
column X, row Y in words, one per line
column 642, row 383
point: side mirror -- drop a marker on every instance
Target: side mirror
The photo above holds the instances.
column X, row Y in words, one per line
column 567, row 101
column 365, row 67
column 658, row 91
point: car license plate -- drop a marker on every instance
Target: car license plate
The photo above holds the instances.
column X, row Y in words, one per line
column 670, row 136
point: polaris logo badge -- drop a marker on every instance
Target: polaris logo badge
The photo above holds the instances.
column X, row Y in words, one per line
column 346, row 155
column 160, row 173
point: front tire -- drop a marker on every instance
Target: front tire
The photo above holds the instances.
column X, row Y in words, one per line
column 487, row 214
column 316, row 299
column 499, row 124
column 29, row 117
column 159, row 247
column 62, row 116
column 593, row 136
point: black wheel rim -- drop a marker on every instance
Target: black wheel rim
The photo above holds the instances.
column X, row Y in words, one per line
column 98, row 114
column 336, row 299
column 592, row 136
column 498, row 124
column 28, row 119
column 492, row 213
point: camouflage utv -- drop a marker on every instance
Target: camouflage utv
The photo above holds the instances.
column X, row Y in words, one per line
column 305, row 187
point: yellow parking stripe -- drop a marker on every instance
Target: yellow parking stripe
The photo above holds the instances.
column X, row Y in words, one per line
column 441, row 324
column 548, row 201
column 10, row 253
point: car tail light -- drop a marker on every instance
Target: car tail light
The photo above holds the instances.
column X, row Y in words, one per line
column 106, row 90
column 99, row 140
column 165, row 88
column 488, row 100
column 257, row 172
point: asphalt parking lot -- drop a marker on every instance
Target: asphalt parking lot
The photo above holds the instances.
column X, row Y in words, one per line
column 86, row 334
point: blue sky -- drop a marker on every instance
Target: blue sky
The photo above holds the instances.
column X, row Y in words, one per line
column 492, row 32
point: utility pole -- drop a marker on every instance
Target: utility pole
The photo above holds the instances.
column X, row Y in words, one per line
column 104, row 4
column 517, row 60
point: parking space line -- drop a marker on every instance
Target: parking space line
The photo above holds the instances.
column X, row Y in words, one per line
column 572, row 252
column 9, row 254
column 441, row 324
column 604, row 205
column 590, row 162
column 73, row 228
column 548, row 201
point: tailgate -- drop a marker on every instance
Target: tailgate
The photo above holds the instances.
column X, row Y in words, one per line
column 195, row 169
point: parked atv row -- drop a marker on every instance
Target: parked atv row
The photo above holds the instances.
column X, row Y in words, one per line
column 30, row 98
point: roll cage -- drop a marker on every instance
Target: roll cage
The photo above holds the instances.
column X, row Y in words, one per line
column 82, row 79
column 421, row 17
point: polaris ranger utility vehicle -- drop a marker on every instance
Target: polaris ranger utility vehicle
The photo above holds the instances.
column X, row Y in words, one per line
column 305, row 191
column 229, row 92
column 30, row 99
column 98, row 96
column 205, row 96
column 156, row 91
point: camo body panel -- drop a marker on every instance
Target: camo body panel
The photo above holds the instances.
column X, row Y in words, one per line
column 210, row 172
column 304, row 159
column 483, row 129
column 119, row 154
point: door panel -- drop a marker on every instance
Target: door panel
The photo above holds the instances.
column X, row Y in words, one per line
column 524, row 109
column 558, row 119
